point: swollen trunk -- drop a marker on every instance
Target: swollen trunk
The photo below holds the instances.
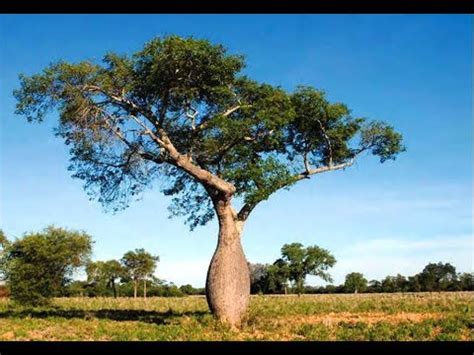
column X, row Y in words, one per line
column 228, row 277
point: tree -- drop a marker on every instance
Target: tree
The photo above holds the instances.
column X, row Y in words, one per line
column 355, row 282
column 401, row 283
column 139, row 265
column 301, row 262
column 3, row 239
column 466, row 281
column 188, row 289
column 180, row 111
column 437, row 277
column 39, row 265
column 258, row 273
column 414, row 284
column 389, row 284
column 375, row 286
column 276, row 277
column 4, row 243
column 105, row 273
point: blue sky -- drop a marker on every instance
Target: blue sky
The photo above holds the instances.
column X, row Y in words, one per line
column 414, row 71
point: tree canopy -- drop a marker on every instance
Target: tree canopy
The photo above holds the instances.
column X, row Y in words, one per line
column 355, row 282
column 138, row 265
column 302, row 261
column 180, row 111
column 39, row 265
column 105, row 274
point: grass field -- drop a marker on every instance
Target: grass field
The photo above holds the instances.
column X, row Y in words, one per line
column 418, row 316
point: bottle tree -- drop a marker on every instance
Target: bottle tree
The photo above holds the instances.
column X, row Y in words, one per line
column 181, row 114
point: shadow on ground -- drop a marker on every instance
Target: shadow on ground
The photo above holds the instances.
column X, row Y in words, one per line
column 113, row 314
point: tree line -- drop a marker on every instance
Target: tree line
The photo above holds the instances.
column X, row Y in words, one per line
column 41, row 265
column 288, row 273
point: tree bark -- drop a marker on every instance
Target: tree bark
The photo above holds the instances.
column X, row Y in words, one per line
column 228, row 276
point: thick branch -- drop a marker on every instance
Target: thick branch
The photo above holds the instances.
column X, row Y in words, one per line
column 179, row 160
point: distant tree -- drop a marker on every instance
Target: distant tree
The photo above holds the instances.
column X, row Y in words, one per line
column 188, row 289
column 437, row 277
column 389, row 284
column 39, row 265
column 466, row 281
column 355, row 282
column 139, row 265
column 374, row 286
column 3, row 247
column 400, row 283
column 330, row 289
column 414, row 284
column 3, row 239
column 277, row 277
column 105, row 273
column 181, row 110
column 258, row 277
column 76, row 289
column 301, row 262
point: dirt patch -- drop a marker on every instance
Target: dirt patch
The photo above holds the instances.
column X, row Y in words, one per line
column 367, row 318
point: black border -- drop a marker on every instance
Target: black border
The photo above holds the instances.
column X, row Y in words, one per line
column 274, row 348
column 239, row 6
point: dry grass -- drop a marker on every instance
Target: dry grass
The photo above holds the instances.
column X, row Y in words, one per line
column 421, row 316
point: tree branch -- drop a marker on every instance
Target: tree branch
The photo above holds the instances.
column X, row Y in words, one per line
column 177, row 159
column 248, row 207
column 328, row 141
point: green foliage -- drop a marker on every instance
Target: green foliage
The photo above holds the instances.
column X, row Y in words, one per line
column 120, row 116
column 355, row 282
column 3, row 239
column 301, row 262
column 466, row 281
column 437, row 277
column 39, row 265
column 139, row 264
column 4, row 243
column 104, row 274
column 296, row 263
column 190, row 290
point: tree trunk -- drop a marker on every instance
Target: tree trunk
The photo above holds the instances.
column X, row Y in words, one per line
column 228, row 276
column 114, row 289
column 135, row 286
column 144, row 289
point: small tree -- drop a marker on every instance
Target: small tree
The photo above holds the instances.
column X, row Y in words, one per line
column 466, row 281
column 3, row 248
column 181, row 111
column 138, row 266
column 105, row 273
column 188, row 289
column 355, row 282
column 301, row 262
column 276, row 278
column 3, row 239
column 258, row 273
column 39, row 265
